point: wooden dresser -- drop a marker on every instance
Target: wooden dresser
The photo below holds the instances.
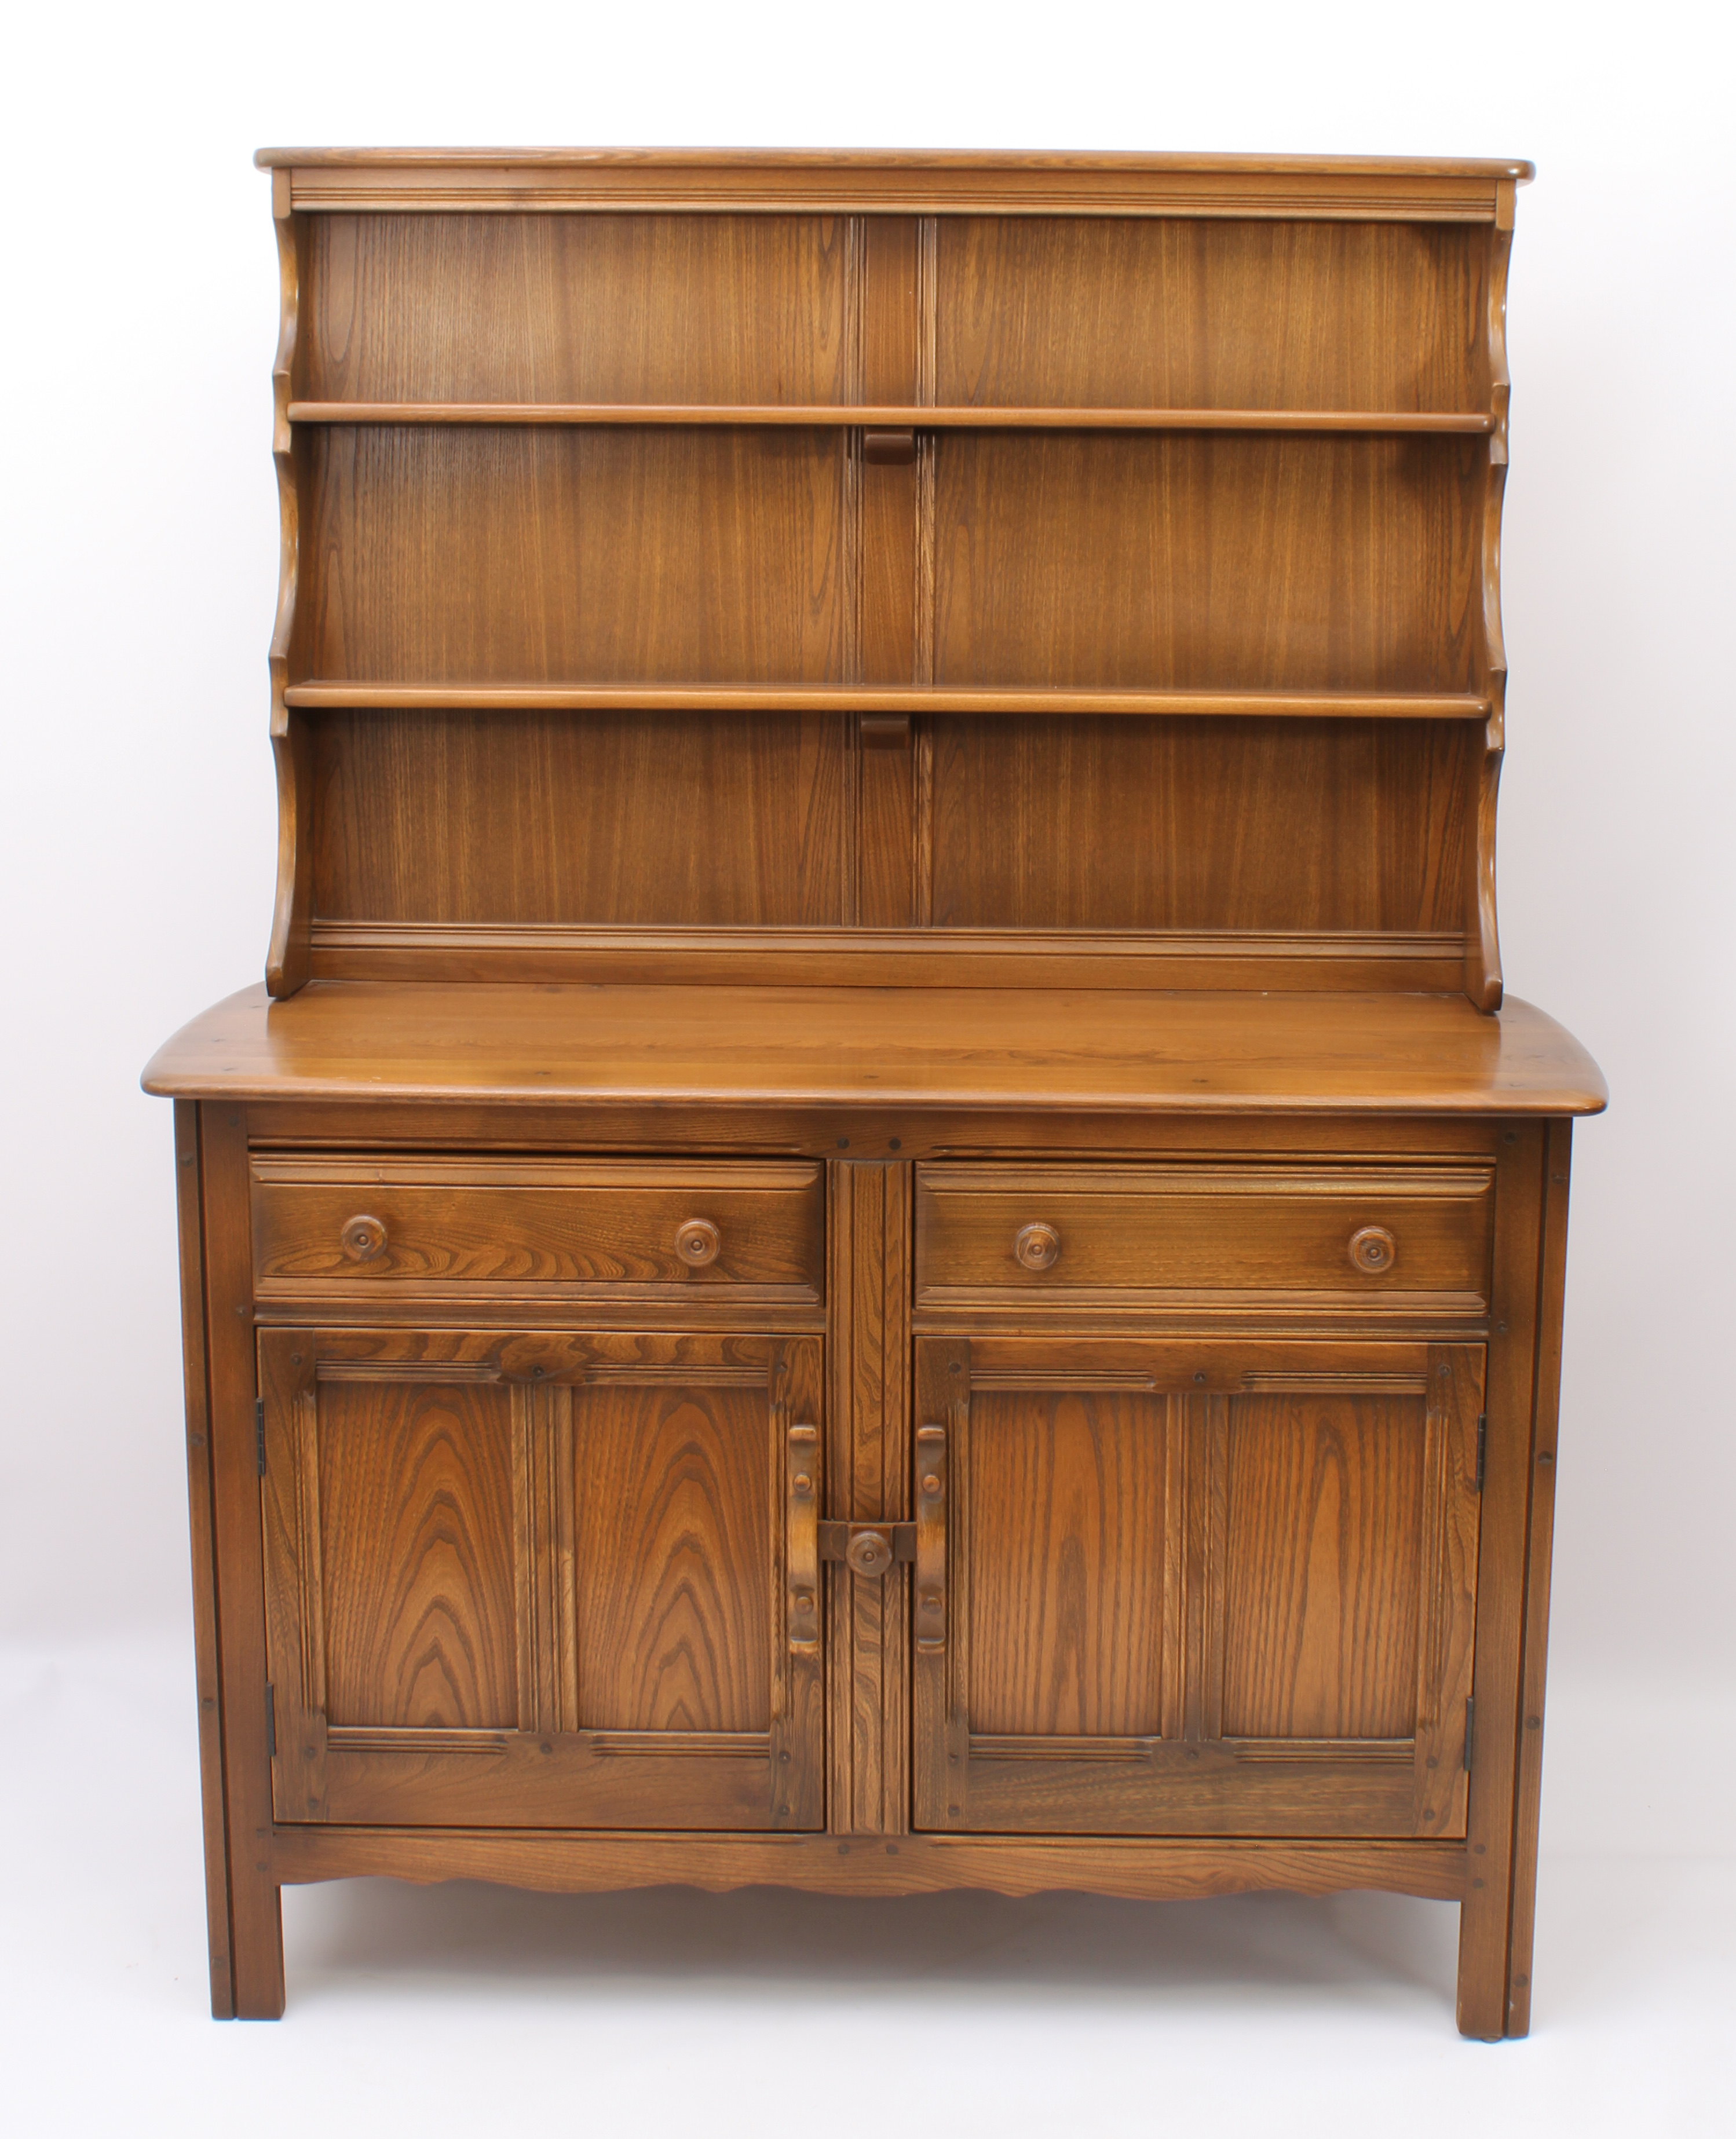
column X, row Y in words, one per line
column 880, row 1227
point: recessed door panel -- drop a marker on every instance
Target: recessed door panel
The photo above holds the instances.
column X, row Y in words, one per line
column 673, row 1505
column 415, row 1525
column 516, row 1579
column 1067, row 1561
column 1171, row 1587
column 1323, row 1575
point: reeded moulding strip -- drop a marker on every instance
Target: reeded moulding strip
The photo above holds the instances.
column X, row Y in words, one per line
column 335, row 695
column 829, row 415
column 882, row 182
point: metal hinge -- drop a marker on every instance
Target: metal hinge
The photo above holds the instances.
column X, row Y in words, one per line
column 868, row 1548
column 259, row 1433
column 1470, row 1721
column 270, row 1719
column 1482, row 1445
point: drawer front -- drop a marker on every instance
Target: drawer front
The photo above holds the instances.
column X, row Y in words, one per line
column 538, row 1229
column 1410, row 1238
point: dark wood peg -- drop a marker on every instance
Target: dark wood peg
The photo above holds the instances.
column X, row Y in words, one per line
column 889, row 449
column 885, row 731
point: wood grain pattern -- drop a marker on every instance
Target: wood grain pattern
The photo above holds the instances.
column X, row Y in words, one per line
column 1451, row 1531
column 907, row 701
column 1150, row 1868
column 535, row 1227
column 869, row 1259
column 1067, row 1525
column 1323, row 961
column 201, row 1523
column 539, row 557
column 887, row 794
column 1200, row 314
column 1195, row 1237
column 1307, row 1592
column 1515, row 1343
column 816, row 1047
column 701, row 308
column 511, row 1576
column 1083, row 559
column 670, row 1545
column 1129, row 1136
column 836, row 714
column 1322, row 1589
column 416, row 1532
column 1483, row 982
column 617, row 820
column 256, row 1916
column 897, row 183
column 900, row 416
column 1545, row 1431
column 286, row 954
column 1149, row 824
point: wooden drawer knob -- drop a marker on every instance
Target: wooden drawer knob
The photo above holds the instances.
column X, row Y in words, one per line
column 1373, row 1249
column 363, row 1238
column 697, row 1243
column 1038, row 1247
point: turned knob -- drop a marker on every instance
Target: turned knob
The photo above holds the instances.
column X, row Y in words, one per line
column 363, row 1238
column 1372, row 1248
column 1036, row 1246
column 698, row 1242
column 869, row 1552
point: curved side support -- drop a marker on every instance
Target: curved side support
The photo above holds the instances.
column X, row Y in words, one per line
column 1482, row 939
column 287, row 958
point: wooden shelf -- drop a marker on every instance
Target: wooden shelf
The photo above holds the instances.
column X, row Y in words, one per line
column 333, row 694
column 812, row 416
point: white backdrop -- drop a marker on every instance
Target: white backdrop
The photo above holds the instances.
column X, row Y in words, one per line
column 139, row 578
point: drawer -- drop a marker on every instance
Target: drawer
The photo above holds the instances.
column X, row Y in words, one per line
column 537, row 1228
column 1412, row 1238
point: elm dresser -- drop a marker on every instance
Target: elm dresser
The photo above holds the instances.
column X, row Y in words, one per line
column 880, row 1226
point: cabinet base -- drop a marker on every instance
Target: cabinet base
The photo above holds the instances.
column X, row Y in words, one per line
column 1150, row 1869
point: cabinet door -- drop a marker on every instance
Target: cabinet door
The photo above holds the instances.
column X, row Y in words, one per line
column 1171, row 1588
column 543, row 1580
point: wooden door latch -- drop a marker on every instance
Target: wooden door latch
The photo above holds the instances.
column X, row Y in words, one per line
column 868, row 1548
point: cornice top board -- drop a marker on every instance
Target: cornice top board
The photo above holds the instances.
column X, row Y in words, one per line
column 904, row 182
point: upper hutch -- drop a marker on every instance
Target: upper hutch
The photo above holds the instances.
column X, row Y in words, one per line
column 880, row 1226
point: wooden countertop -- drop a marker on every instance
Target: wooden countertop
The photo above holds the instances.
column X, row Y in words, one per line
column 911, row 160
column 1065, row 1051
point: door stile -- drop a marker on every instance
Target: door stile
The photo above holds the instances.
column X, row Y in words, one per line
column 543, row 1487
column 1172, row 1693
column 560, row 1400
column 1447, row 1638
column 1214, row 1560
column 868, row 1470
column 939, row 1742
column 797, row 1776
column 293, row 1576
